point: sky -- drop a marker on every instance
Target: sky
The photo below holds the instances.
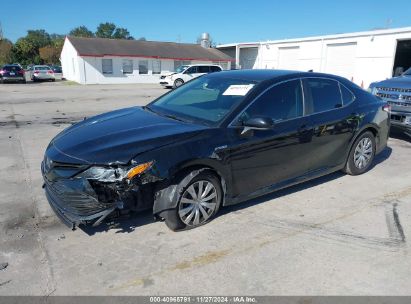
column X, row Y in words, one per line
column 227, row 21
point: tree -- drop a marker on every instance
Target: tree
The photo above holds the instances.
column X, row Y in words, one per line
column 50, row 54
column 105, row 30
column 122, row 33
column 110, row 30
column 26, row 49
column 81, row 31
column 5, row 51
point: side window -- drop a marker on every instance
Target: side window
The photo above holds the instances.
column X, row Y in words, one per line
column 191, row 70
column 347, row 96
column 281, row 102
column 215, row 69
column 322, row 94
column 203, row 69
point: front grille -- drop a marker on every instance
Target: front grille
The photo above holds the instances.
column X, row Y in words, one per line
column 399, row 118
column 399, row 103
column 77, row 198
column 400, row 90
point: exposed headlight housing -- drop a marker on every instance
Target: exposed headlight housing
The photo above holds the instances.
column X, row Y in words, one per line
column 110, row 174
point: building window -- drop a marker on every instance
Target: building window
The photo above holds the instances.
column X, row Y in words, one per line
column 156, row 66
column 107, row 66
column 178, row 63
column 143, row 66
column 127, row 66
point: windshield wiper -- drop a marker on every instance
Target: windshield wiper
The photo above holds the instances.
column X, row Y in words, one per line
column 163, row 114
column 174, row 117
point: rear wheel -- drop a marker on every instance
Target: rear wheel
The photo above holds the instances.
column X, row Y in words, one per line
column 361, row 155
column 198, row 203
column 178, row 83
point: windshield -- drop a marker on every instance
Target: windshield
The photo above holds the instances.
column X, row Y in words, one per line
column 181, row 68
column 205, row 99
column 407, row 72
column 41, row 68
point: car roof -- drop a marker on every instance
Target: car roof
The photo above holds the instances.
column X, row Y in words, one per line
column 201, row 64
column 262, row 75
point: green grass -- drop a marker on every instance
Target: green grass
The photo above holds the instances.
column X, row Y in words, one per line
column 70, row 82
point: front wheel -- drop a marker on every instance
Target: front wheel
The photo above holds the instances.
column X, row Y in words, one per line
column 178, row 83
column 198, row 203
column 361, row 155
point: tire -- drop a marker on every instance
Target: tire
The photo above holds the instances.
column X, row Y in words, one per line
column 23, row 81
column 201, row 212
column 361, row 155
column 178, row 83
column 53, row 80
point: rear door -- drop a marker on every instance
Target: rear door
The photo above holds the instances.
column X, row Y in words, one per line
column 333, row 120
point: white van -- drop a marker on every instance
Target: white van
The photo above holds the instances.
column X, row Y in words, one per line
column 186, row 73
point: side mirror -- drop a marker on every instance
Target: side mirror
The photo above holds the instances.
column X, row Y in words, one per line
column 257, row 123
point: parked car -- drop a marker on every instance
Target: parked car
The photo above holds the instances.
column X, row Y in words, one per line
column 218, row 140
column 186, row 73
column 12, row 73
column 397, row 92
column 41, row 72
column 58, row 72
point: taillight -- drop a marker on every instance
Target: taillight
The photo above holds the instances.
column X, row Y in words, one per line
column 36, row 72
column 386, row 108
column 2, row 72
column 22, row 72
column 50, row 72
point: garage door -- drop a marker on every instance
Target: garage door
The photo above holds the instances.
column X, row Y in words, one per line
column 288, row 58
column 248, row 57
column 341, row 59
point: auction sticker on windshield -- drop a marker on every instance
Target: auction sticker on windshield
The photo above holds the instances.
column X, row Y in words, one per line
column 238, row 89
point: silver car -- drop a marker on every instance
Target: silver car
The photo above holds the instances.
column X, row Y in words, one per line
column 41, row 72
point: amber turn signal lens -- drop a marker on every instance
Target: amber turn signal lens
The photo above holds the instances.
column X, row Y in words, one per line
column 138, row 169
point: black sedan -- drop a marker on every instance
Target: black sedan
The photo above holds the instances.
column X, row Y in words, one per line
column 218, row 140
column 12, row 73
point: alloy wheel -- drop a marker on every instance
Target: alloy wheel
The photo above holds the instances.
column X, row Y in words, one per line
column 198, row 203
column 363, row 153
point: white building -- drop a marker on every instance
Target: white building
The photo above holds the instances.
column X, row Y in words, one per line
column 362, row 57
column 98, row 60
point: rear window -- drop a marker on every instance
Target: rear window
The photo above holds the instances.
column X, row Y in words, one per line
column 41, row 68
column 324, row 94
column 347, row 96
column 11, row 68
column 203, row 69
column 215, row 69
column 57, row 69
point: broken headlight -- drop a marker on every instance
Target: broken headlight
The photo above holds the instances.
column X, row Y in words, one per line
column 111, row 174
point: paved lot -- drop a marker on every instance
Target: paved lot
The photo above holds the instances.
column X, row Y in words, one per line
column 337, row 235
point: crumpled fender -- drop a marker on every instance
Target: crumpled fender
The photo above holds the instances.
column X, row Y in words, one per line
column 167, row 198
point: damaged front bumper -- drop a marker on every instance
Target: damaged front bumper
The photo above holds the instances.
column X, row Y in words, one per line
column 80, row 200
column 76, row 204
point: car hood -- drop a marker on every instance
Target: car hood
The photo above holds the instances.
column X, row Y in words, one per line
column 118, row 136
column 396, row 82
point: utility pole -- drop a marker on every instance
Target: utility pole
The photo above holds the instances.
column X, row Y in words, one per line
column 1, row 32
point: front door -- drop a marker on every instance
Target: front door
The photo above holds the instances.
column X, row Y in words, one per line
column 266, row 158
